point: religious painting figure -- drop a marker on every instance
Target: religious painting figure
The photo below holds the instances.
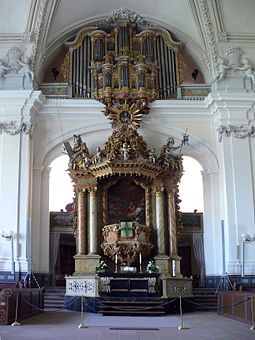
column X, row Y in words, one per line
column 126, row 202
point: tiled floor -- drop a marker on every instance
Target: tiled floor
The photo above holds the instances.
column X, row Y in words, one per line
column 63, row 325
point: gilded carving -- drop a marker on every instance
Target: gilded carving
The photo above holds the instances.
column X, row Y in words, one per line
column 126, row 248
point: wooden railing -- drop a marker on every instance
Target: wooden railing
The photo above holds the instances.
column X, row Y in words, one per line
column 25, row 298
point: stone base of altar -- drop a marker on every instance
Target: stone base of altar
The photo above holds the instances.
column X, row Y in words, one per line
column 86, row 264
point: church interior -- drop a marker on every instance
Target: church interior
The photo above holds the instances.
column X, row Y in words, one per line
column 125, row 92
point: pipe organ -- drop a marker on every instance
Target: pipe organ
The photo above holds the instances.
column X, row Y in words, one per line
column 123, row 60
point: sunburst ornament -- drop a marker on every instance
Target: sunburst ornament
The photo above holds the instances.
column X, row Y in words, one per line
column 127, row 113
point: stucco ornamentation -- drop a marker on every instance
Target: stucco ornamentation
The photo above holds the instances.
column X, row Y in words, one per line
column 210, row 37
column 239, row 131
column 13, row 128
column 235, row 65
column 125, row 14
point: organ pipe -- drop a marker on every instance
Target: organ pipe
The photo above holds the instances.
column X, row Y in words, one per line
column 156, row 58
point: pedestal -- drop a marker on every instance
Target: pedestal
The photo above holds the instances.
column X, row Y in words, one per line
column 86, row 264
column 163, row 262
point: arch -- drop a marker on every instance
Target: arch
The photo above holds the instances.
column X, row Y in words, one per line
column 191, row 186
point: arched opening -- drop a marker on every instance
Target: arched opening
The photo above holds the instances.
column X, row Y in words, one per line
column 191, row 186
column 62, row 242
column 191, row 243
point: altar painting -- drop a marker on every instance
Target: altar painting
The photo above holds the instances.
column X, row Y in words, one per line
column 126, row 202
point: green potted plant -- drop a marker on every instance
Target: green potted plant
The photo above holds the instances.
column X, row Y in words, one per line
column 101, row 268
column 152, row 268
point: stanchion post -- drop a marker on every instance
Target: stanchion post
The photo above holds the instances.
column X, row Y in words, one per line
column 16, row 323
column 181, row 315
column 82, row 325
column 252, row 314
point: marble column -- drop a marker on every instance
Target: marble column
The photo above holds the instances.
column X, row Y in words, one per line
column 175, row 268
column 172, row 223
column 161, row 249
column 92, row 222
column 81, row 244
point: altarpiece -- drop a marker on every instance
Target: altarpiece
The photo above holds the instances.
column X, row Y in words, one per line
column 126, row 196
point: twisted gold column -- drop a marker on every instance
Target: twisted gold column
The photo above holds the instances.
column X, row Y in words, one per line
column 81, row 243
column 172, row 223
column 160, row 222
column 148, row 206
column 92, row 222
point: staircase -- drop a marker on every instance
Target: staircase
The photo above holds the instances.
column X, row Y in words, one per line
column 132, row 308
column 54, row 298
column 206, row 297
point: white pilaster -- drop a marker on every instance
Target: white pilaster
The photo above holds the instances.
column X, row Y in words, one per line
column 212, row 226
column 236, row 163
column 17, row 113
column 45, row 222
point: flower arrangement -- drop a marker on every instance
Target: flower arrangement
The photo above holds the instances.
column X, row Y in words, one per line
column 101, row 267
column 152, row 268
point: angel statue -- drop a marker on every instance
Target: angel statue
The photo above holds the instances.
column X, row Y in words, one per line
column 25, row 69
column 3, row 69
column 223, row 69
column 247, row 69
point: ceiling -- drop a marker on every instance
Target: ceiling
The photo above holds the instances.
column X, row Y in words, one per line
column 205, row 27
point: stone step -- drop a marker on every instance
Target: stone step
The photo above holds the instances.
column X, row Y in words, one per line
column 54, row 298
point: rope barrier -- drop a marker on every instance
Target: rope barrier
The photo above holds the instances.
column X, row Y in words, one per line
column 49, row 311
column 135, row 310
column 216, row 307
column 131, row 309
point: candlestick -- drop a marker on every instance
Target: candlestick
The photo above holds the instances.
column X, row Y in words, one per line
column 140, row 262
column 116, row 263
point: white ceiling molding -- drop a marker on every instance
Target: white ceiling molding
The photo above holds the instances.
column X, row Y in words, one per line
column 39, row 15
column 201, row 10
column 221, row 32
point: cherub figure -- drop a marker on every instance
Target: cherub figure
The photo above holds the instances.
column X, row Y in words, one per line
column 98, row 156
column 222, row 71
column 3, row 69
column 125, row 151
column 25, row 68
column 247, row 69
column 152, row 156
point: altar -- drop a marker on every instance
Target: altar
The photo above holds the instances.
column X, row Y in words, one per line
column 126, row 203
column 129, row 284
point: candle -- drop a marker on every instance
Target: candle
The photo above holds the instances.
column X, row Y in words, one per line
column 173, row 262
column 140, row 258
column 116, row 258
